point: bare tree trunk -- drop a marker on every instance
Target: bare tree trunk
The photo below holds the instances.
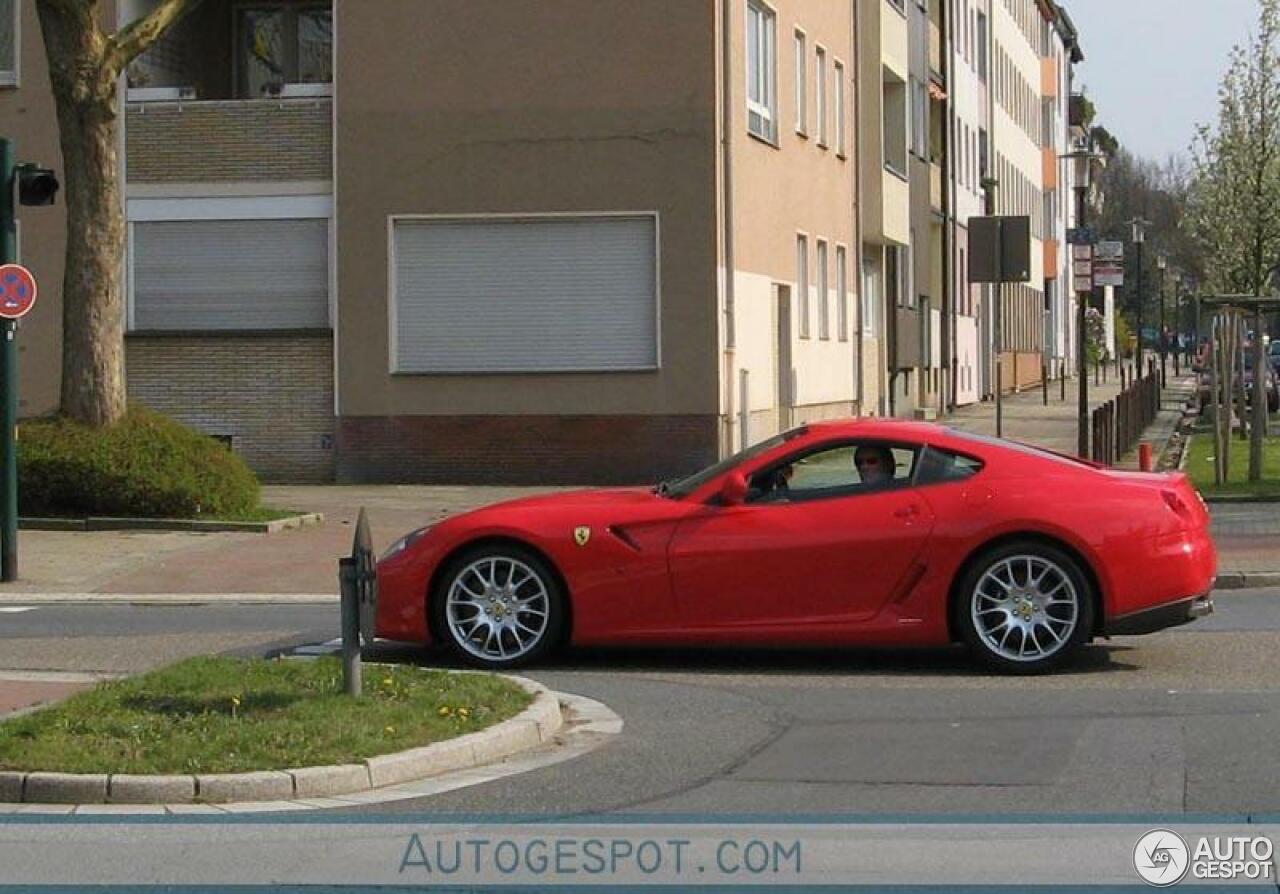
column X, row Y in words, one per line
column 84, row 89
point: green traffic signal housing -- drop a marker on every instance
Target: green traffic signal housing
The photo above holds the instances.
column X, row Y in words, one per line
column 36, row 185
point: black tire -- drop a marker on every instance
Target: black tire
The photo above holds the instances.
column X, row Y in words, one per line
column 470, row 651
column 1042, row 618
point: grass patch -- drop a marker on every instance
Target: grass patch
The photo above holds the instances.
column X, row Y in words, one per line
column 1200, row 467
column 228, row 715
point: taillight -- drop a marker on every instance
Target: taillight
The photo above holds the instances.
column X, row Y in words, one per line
column 1176, row 503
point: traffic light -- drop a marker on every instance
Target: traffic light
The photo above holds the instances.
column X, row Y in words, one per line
column 36, row 185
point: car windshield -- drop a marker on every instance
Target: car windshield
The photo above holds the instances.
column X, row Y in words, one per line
column 678, row 488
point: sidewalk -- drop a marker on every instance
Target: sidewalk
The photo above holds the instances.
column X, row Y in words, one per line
column 302, row 564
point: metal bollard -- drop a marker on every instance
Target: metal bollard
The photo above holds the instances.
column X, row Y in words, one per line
column 1145, row 460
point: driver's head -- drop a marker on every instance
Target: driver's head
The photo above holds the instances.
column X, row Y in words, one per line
column 875, row 465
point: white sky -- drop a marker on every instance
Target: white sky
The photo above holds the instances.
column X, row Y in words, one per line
column 1152, row 67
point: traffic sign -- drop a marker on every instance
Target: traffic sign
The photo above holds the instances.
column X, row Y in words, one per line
column 17, row 291
column 1080, row 236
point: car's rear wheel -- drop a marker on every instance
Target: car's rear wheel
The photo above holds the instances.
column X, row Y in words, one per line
column 1024, row 607
column 499, row 606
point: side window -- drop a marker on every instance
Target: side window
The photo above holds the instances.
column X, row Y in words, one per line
column 940, row 466
column 843, row 470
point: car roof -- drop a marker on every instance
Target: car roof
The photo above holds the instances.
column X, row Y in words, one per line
column 879, row 427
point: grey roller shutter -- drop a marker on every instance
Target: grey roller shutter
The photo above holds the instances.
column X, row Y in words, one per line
column 8, row 42
column 528, row 295
column 194, row 275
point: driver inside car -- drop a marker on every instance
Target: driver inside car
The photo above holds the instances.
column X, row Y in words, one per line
column 875, row 466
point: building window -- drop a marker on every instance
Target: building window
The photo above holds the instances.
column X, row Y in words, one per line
column 893, row 275
column 841, row 123
column 919, row 118
column 842, row 292
column 821, row 74
column 870, row 295
column 762, row 105
column 279, row 45
column 229, row 275
column 802, row 84
column 982, row 46
column 9, row 12
column 802, row 282
column 524, row 294
column 895, row 125
column 824, row 293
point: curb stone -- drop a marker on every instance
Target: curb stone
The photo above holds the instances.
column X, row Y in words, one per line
column 192, row 525
column 1253, row 580
column 536, row 724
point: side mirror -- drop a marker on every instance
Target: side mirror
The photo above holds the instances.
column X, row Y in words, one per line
column 733, row 492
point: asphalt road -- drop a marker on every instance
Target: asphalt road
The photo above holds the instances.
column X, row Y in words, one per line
column 1182, row 721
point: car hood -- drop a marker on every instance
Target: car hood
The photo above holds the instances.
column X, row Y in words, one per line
column 594, row 497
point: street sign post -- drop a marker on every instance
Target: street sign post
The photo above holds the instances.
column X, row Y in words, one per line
column 33, row 185
column 1108, row 264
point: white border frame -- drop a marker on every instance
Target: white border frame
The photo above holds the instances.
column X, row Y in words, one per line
column 392, row 300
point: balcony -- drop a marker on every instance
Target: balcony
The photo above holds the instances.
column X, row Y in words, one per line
column 234, row 92
column 248, row 140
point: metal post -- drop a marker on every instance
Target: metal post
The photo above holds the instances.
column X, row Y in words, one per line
column 1082, row 350
column 351, row 665
column 1164, row 347
column 1138, row 359
column 9, row 366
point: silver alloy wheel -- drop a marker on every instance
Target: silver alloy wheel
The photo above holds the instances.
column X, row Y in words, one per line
column 1025, row 608
column 497, row 608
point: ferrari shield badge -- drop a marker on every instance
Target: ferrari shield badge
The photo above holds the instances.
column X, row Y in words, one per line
column 581, row 535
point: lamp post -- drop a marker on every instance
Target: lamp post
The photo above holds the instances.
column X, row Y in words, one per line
column 1139, row 239
column 1178, row 318
column 1082, row 161
column 1162, row 264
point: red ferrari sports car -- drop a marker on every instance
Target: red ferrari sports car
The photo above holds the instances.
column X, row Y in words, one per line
column 861, row 532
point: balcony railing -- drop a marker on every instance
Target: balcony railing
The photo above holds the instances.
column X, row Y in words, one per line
column 230, row 140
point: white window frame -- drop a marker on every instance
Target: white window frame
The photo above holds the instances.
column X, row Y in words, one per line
column 842, row 125
column 869, row 281
column 802, row 281
column 766, row 108
column 801, row 46
column 823, row 259
column 820, row 75
column 842, row 291
column 392, row 299
column 304, row 207
column 14, row 78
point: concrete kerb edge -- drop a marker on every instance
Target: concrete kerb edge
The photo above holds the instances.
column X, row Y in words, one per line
column 535, row 725
column 183, row 525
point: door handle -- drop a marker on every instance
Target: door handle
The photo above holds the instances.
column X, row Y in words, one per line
column 907, row 511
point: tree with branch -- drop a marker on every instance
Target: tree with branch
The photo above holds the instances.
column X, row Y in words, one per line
column 1234, row 200
column 85, row 65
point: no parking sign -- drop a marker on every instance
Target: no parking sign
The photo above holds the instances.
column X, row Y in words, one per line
column 17, row 291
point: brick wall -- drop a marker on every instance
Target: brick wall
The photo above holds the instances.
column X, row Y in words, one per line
column 523, row 449
column 256, row 140
column 273, row 394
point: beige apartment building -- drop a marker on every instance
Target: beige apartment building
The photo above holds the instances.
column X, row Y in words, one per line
column 477, row 240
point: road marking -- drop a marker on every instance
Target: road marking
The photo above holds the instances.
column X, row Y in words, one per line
column 16, row 609
column 30, row 676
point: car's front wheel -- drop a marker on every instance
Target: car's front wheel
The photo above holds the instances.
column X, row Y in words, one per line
column 499, row 606
column 1024, row 607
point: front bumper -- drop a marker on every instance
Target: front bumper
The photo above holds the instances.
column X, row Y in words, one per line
column 1161, row 617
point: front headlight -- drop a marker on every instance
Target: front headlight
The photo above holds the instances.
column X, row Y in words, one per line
column 404, row 543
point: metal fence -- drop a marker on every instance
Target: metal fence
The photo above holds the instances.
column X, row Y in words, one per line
column 1118, row 424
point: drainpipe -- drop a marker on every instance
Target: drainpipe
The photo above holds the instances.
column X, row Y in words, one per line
column 859, row 366
column 726, row 161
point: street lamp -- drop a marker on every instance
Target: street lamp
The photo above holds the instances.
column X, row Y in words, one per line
column 1082, row 161
column 1162, row 264
column 1139, row 239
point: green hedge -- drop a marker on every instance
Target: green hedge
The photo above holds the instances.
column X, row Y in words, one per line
column 146, row 466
